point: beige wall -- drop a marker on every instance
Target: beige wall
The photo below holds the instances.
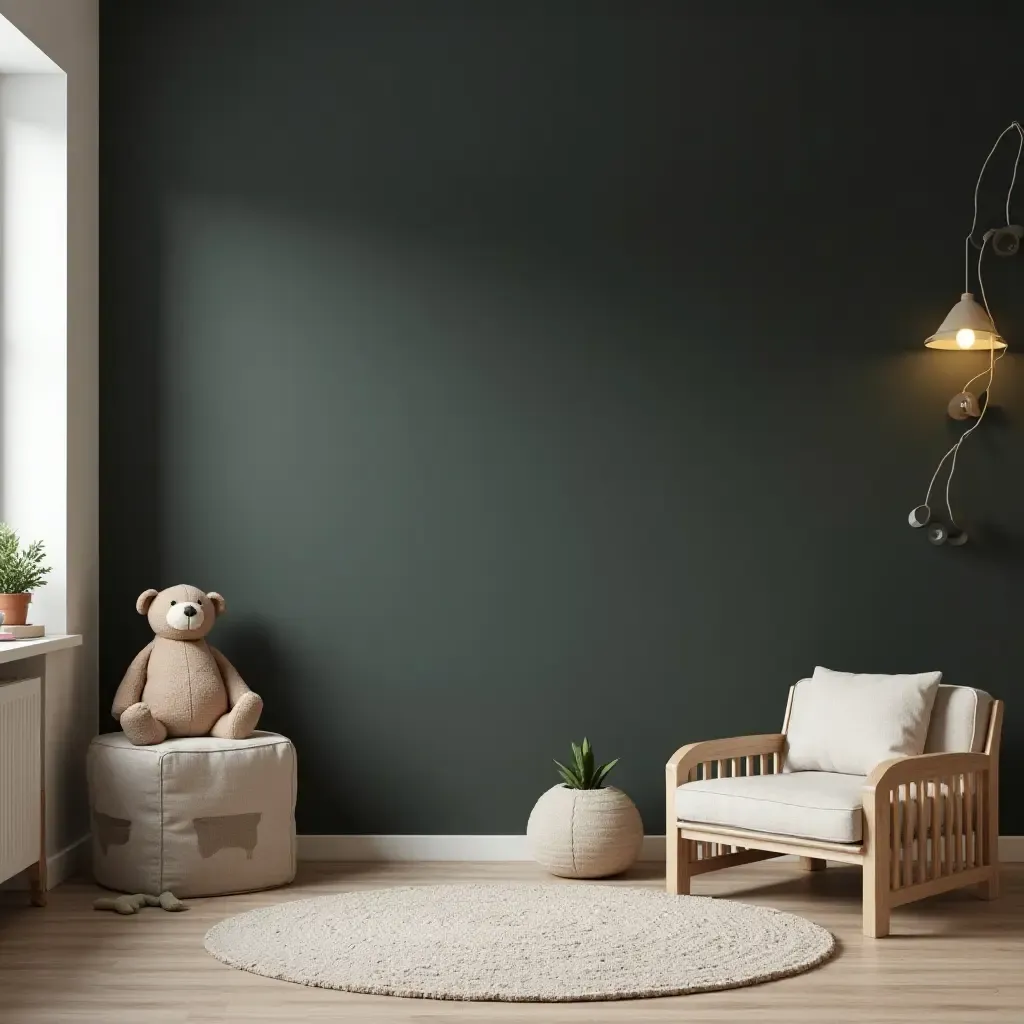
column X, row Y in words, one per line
column 68, row 32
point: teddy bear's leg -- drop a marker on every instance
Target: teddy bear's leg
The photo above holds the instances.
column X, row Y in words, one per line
column 141, row 727
column 240, row 721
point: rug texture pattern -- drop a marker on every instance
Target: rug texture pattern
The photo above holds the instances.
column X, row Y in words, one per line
column 520, row 943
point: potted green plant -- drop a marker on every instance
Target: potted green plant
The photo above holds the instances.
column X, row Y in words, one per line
column 582, row 828
column 21, row 573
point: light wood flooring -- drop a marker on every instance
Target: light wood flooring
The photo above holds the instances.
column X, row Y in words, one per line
column 950, row 959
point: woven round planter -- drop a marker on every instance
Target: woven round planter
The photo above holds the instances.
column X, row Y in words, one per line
column 584, row 833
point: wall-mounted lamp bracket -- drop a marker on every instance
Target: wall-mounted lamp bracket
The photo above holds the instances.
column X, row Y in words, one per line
column 1004, row 241
column 963, row 406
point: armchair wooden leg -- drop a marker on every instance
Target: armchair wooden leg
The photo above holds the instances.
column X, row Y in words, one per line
column 989, row 890
column 877, row 864
column 813, row 864
column 677, row 864
column 876, row 896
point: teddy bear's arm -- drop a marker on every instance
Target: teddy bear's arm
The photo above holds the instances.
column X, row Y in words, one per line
column 233, row 682
column 130, row 690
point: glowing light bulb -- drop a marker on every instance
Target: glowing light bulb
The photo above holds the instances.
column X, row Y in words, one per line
column 965, row 337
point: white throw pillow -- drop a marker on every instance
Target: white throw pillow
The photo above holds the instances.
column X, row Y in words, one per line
column 846, row 722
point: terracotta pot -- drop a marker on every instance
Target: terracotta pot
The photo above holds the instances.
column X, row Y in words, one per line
column 15, row 608
column 584, row 833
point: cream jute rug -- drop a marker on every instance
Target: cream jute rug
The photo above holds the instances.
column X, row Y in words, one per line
column 520, row 943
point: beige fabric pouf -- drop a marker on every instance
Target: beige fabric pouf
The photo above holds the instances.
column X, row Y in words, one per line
column 199, row 816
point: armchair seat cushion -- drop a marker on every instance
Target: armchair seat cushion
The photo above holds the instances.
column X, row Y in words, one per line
column 812, row 805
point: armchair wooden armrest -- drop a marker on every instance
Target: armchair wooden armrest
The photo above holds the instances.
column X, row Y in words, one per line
column 678, row 768
column 738, row 755
column 923, row 767
column 931, row 824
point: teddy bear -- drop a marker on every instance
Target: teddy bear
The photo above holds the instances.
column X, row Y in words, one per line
column 178, row 685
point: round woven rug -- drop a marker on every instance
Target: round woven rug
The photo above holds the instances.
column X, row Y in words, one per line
column 520, row 943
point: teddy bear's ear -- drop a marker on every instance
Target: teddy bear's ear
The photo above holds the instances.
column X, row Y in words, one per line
column 145, row 600
column 218, row 602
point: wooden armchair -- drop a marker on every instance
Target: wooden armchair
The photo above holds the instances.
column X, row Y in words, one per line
column 917, row 825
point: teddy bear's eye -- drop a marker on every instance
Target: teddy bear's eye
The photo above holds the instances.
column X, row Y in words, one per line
column 173, row 603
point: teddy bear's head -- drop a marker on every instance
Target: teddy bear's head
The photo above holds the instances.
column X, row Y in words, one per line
column 180, row 613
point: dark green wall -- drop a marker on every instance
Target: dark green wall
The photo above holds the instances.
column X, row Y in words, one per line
column 522, row 371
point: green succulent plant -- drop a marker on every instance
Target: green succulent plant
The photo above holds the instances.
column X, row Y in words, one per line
column 20, row 572
column 583, row 774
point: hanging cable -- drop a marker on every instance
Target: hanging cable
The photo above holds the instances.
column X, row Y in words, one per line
column 963, row 437
column 1016, row 164
column 989, row 372
column 969, row 240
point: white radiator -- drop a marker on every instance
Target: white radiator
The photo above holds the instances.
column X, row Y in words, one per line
column 21, row 705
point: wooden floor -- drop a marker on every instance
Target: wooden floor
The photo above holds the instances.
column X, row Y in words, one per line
column 950, row 959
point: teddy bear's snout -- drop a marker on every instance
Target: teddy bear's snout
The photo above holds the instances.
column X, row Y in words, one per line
column 185, row 615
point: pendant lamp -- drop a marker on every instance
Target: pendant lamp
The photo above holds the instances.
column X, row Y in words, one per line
column 967, row 327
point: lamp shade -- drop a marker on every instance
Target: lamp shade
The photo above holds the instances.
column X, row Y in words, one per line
column 967, row 328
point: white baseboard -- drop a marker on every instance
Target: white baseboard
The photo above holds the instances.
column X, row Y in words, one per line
column 68, row 862
column 60, row 866
column 490, row 848
column 1011, row 849
column 412, row 848
column 435, row 848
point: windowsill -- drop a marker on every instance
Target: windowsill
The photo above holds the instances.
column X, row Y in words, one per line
column 15, row 650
